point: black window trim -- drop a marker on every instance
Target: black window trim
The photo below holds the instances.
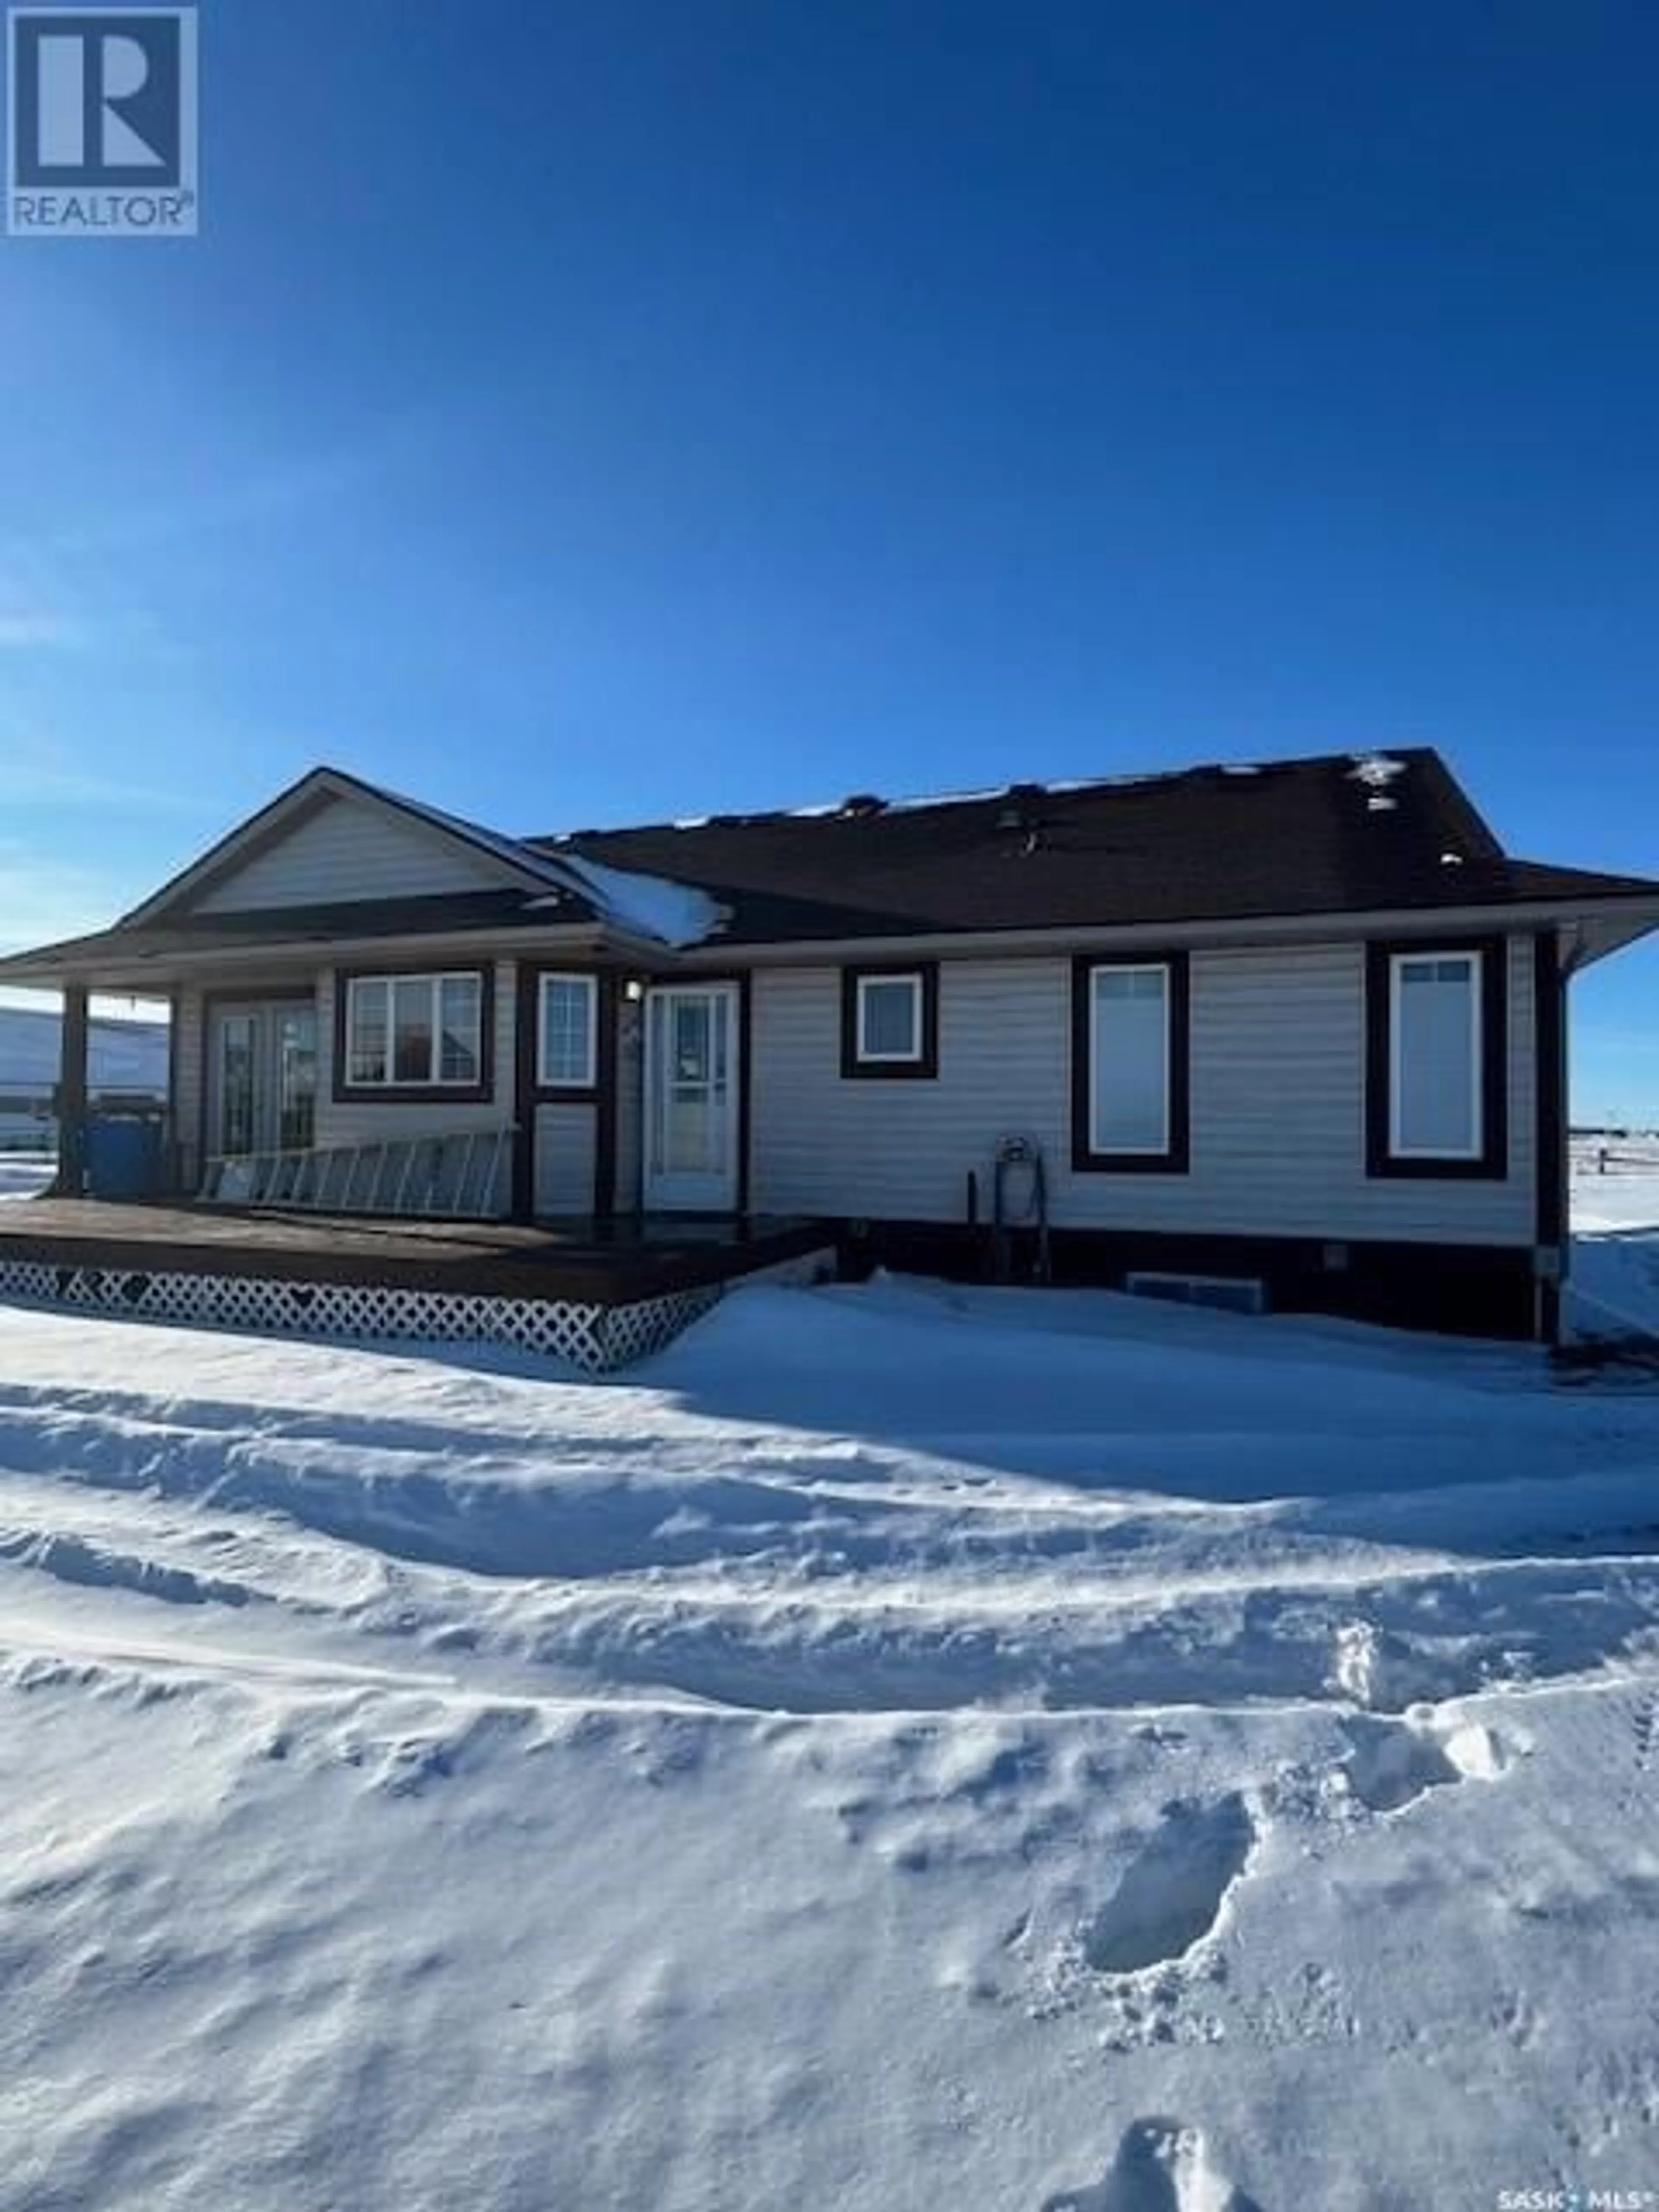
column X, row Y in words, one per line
column 1491, row 1162
column 855, row 1067
column 1176, row 1158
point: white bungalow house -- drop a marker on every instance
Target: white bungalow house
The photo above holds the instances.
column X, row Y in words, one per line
column 1300, row 1027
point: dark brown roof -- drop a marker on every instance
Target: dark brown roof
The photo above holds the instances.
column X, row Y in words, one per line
column 1343, row 834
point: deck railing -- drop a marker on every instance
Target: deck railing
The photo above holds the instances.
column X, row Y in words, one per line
column 462, row 1175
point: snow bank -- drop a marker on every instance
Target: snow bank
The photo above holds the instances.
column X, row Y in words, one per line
column 25, row 1175
column 905, row 1747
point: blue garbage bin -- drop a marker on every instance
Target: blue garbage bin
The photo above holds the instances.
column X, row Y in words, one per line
column 125, row 1154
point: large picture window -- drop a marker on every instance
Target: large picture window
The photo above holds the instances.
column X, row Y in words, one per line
column 415, row 1032
column 1130, row 1063
column 1435, row 1076
column 567, row 1033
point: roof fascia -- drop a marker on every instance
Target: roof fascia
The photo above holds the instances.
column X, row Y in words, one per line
column 171, row 964
column 1639, row 913
column 1589, row 937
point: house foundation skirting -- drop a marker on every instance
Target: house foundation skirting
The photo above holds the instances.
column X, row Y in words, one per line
column 594, row 1337
column 1462, row 1290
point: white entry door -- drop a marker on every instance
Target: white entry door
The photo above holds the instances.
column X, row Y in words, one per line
column 691, row 1090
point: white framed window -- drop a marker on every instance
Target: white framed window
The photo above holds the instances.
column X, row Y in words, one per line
column 1131, row 1110
column 1436, row 1075
column 415, row 1031
column 889, row 1019
column 889, row 1022
column 567, row 1033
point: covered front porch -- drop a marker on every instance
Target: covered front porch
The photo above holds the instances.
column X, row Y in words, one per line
column 376, row 1008
column 460, row 1084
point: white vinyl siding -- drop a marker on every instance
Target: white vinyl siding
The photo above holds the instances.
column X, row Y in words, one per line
column 1434, row 1057
column 188, row 1047
column 1129, row 1060
column 889, row 1019
column 564, row 1158
column 349, row 850
column 567, row 1032
column 1278, row 1106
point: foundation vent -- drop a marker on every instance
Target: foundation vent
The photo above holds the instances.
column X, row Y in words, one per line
column 1227, row 1294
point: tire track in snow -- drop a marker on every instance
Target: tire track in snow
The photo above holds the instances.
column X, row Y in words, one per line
column 811, row 1582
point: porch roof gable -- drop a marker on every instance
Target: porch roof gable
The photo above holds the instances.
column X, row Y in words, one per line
column 505, row 886
column 503, row 858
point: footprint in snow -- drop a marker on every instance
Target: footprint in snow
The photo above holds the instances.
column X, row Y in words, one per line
column 1646, row 1732
column 1172, row 1892
column 1160, row 2167
column 1391, row 1763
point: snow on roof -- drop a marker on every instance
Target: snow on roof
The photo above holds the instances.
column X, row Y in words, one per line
column 918, row 802
column 1057, row 785
column 1378, row 771
column 648, row 906
column 1374, row 770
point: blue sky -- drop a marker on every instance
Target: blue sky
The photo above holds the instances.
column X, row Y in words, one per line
column 580, row 412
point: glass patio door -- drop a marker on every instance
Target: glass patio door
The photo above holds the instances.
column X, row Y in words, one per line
column 262, row 1077
column 691, row 1091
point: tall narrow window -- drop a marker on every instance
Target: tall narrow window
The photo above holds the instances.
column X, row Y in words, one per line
column 1129, row 1061
column 238, row 1040
column 1436, row 1027
column 412, row 1029
column 1130, row 1065
column 1434, row 1094
column 370, row 1034
column 568, row 1053
column 460, row 1025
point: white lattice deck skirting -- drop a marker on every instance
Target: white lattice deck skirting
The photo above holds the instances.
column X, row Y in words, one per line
column 595, row 1338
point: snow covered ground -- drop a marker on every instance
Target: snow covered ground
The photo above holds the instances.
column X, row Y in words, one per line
column 1615, row 1222
column 906, row 1747
column 25, row 1175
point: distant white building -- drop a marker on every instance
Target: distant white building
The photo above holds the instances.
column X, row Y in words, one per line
column 128, row 1058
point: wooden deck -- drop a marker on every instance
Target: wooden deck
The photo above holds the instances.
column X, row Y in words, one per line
column 614, row 1263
